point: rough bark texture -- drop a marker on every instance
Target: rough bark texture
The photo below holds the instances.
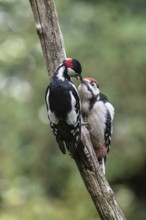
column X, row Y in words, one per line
column 53, row 48
column 48, row 30
column 97, row 185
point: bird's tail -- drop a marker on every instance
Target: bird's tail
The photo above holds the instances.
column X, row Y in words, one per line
column 81, row 155
column 61, row 146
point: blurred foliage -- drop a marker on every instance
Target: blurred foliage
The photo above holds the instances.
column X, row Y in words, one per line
column 36, row 180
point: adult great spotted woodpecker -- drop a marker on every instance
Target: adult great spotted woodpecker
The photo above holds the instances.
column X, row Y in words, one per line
column 63, row 105
column 98, row 112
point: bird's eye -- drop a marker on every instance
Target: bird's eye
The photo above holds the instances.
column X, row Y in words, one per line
column 93, row 83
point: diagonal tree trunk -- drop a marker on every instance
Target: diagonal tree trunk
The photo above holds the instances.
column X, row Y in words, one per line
column 51, row 39
column 49, row 32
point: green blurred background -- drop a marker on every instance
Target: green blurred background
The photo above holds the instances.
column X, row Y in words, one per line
column 36, row 180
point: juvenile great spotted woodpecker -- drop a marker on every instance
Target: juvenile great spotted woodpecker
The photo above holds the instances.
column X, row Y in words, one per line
column 63, row 105
column 98, row 113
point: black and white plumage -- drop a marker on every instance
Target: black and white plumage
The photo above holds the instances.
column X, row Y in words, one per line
column 63, row 105
column 98, row 112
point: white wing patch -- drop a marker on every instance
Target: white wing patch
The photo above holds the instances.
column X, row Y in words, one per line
column 51, row 115
column 72, row 115
column 53, row 119
column 111, row 110
column 47, row 98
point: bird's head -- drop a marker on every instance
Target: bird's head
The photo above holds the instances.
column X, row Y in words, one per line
column 69, row 68
column 73, row 68
column 89, row 88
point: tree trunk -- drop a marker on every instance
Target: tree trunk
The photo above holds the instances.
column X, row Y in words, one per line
column 48, row 30
column 51, row 39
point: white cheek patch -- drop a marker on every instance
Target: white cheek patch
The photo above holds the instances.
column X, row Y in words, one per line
column 71, row 72
column 87, row 90
column 83, row 92
column 95, row 90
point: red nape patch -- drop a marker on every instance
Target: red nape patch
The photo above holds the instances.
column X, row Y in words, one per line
column 91, row 80
column 69, row 63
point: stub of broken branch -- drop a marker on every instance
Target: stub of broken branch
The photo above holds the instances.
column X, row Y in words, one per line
column 51, row 39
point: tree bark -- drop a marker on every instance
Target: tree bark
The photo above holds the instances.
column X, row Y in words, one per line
column 51, row 39
column 49, row 32
column 97, row 185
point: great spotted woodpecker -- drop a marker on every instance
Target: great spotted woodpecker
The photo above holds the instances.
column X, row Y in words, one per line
column 63, row 105
column 98, row 112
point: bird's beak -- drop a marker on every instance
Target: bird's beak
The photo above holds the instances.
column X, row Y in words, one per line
column 79, row 77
